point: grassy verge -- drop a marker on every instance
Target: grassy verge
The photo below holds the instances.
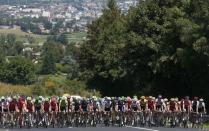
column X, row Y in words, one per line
column 206, row 126
column 59, row 85
column 7, row 89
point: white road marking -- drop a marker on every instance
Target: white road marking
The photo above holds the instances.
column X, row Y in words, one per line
column 142, row 128
column 70, row 127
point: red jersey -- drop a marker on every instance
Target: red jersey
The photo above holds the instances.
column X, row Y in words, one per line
column 150, row 104
column 29, row 107
column 12, row 105
column 46, row 106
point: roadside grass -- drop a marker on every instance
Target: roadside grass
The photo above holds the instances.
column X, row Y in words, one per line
column 22, row 36
column 8, row 89
column 206, row 126
column 58, row 85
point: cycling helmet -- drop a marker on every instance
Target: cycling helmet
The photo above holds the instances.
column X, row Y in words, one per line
column 9, row 99
column 108, row 98
column 195, row 98
column 135, row 99
column 142, row 97
column 64, row 98
column 29, row 98
column 172, row 99
column 2, row 98
column 201, row 100
column 160, row 96
column 14, row 97
column 166, row 100
column 187, row 97
column 47, row 99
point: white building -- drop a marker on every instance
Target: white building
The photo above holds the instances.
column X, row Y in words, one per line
column 46, row 14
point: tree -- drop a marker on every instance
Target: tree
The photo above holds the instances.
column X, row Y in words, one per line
column 63, row 39
column 160, row 46
column 18, row 71
column 48, row 63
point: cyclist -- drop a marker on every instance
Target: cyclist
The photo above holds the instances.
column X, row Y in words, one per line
column 107, row 104
column 46, row 106
column 29, row 105
column 135, row 106
column 13, row 105
column 69, row 104
column 172, row 105
column 96, row 104
column 38, row 104
column 160, row 104
column 21, row 104
column 201, row 106
column 84, row 105
column 128, row 103
column 143, row 103
column 63, row 104
column 166, row 104
column 151, row 103
column 4, row 104
column 53, row 104
column 195, row 105
column 187, row 104
column 121, row 104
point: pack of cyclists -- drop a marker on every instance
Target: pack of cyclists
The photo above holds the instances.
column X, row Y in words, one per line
column 17, row 105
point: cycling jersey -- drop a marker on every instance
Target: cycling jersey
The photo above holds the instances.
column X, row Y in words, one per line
column 134, row 106
column 107, row 105
column 76, row 105
column 84, row 105
column 159, row 104
column 150, row 104
column 172, row 106
column 195, row 105
column 120, row 105
column 5, row 106
column 46, row 106
column 37, row 107
column 201, row 107
column 53, row 105
column 29, row 107
column 187, row 104
column 63, row 105
column 143, row 103
column 20, row 105
column 12, row 106
column 95, row 105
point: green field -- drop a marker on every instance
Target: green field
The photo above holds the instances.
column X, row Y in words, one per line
column 22, row 36
column 77, row 37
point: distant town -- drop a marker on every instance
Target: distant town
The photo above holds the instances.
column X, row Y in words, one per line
column 54, row 17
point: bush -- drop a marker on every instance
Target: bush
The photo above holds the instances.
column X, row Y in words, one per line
column 18, row 70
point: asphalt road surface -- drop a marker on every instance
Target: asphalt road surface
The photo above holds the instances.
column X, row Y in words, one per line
column 103, row 129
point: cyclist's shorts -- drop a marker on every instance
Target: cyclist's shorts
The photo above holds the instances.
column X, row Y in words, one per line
column 107, row 109
column 62, row 108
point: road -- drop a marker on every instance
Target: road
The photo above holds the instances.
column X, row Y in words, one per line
column 103, row 129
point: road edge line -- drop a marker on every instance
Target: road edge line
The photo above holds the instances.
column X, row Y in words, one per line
column 148, row 129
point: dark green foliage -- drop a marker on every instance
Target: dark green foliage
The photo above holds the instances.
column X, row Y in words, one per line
column 17, row 70
column 160, row 46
